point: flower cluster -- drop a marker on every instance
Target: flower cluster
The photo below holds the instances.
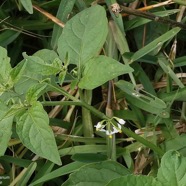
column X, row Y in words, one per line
column 112, row 126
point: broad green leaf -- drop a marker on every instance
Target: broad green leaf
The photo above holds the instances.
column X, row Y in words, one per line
column 154, row 44
column 35, row 133
column 96, row 174
column 34, row 92
column 48, row 56
column 27, row 4
column 5, row 128
column 27, row 79
column 177, row 143
column 64, row 170
column 132, row 180
column 81, row 5
column 100, row 70
column 39, row 66
column 18, row 71
column 5, row 66
column 173, row 169
column 84, row 35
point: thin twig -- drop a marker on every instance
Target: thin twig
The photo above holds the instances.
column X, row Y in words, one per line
column 152, row 6
column 153, row 17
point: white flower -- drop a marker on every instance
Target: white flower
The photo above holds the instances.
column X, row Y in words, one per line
column 99, row 126
column 102, row 130
column 109, row 133
column 113, row 128
column 119, row 120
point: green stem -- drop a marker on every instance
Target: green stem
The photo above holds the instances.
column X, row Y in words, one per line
column 111, row 145
column 86, row 96
column 103, row 116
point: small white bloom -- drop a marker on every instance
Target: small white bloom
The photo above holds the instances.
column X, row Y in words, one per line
column 99, row 126
column 121, row 121
column 109, row 133
column 119, row 126
column 115, row 130
column 102, row 130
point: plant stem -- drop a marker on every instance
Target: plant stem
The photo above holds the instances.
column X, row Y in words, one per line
column 86, row 96
column 101, row 115
column 111, row 145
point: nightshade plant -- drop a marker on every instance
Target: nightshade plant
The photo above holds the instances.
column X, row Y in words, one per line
column 90, row 52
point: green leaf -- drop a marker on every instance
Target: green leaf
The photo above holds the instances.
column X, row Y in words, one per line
column 100, row 70
column 96, row 174
column 84, row 35
column 27, row 173
column 43, row 170
column 5, row 128
column 64, row 170
column 17, row 161
column 27, row 4
column 173, row 169
column 48, row 56
column 34, row 92
column 177, row 95
column 89, row 157
column 164, row 64
column 35, row 133
column 181, row 2
column 132, row 180
column 177, row 143
column 82, row 149
column 39, row 66
column 154, row 44
column 153, row 31
column 64, row 9
column 145, row 101
column 18, row 71
column 8, row 36
column 5, row 66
